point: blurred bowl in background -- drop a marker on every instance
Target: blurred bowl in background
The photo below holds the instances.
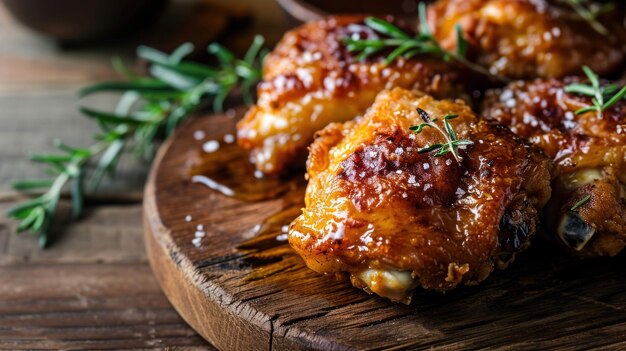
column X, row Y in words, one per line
column 309, row 10
column 82, row 20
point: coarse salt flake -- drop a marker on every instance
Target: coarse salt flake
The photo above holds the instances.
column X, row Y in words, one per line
column 211, row 146
column 229, row 138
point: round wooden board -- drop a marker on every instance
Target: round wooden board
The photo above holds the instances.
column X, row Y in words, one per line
column 265, row 298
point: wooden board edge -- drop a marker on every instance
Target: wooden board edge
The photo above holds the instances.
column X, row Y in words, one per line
column 195, row 300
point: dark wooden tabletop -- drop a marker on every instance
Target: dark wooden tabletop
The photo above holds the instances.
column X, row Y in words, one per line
column 93, row 287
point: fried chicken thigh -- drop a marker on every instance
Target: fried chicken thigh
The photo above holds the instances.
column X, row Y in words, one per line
column 589, row 152
column 393, row 217
column 311, row 80
column 526, row 39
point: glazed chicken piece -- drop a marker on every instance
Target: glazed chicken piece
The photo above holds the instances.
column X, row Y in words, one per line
column 589, row 152
column 393, row 217
column 526, row 39
column 311, row 80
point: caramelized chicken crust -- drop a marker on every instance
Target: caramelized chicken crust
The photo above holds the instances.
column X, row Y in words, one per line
column 394, row 218
column 311, row 80
column 526, row 39
column 589, row 152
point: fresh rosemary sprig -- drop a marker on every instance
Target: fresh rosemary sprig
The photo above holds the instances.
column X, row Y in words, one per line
column 591, row 14
column 149, row 106
column 452, row 142
column 602, row 97
column 580, row 202
column 407, row 46
column 37, row 215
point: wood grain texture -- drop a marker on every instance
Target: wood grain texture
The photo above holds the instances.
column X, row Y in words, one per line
column 92, row 289
column 265, row 298
column 88, row 306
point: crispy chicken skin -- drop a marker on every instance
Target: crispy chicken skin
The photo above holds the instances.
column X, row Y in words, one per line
column 310, row 80
column 526, row 39
column 589, row 152
column 394, row 219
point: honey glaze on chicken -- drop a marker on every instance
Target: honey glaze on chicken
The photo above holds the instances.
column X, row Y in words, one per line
column 394, row 218
column 589, row 151
column 526, row 39
column 311, row 80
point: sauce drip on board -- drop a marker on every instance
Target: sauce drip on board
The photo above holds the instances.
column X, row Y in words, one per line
column 228, row 171
column 223, row 166
column 268, row 248
column 273, row 231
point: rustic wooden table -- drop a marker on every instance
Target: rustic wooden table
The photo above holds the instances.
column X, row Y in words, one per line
column 93, row 287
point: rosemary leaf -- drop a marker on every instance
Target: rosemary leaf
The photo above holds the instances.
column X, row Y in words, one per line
column 580, row 202
column 50, row 158
column 224, row 55
column 578, row 88
column 137, row 85
column 418, row 128
column 180, row 52
column 255, row 50
column 429, row 148
column 461, row 43
column 423, row 26
column 31, row 184
column 173, row 77
column 612, row 101
column 385, row 27
column 113, row 118
column 77, row 193
column 400, row 50
column 448, row 127
column 107, row 162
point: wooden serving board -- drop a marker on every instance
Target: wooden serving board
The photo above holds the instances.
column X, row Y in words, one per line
column 242, row 288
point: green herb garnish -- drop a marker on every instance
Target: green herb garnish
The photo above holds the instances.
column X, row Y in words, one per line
column 602, row 97
column 580, row 202
column 407, row 46
column 452, row 142
column 591, row 14
column 149, row 106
